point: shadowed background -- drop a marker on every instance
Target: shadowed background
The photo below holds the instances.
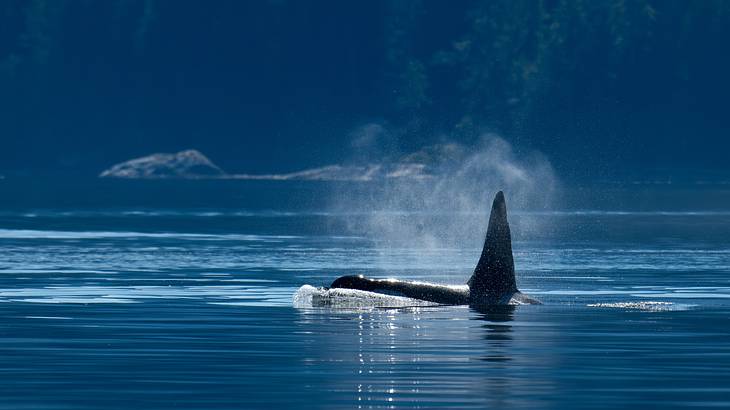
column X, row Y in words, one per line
column 609, row 89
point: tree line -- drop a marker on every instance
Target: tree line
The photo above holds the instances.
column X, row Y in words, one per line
column 550, row 72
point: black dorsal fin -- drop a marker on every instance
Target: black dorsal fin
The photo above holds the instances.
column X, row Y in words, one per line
column 494, row 276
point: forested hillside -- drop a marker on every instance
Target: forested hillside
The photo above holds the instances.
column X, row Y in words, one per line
column 620, row 84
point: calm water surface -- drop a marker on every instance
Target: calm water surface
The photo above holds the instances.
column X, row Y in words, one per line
column 109, row 304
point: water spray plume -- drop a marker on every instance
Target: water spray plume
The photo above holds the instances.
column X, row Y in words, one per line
column 447, row 206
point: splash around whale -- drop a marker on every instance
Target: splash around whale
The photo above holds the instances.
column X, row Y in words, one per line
column 493, row 282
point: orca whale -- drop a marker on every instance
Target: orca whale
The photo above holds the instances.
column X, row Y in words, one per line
column 492, row 283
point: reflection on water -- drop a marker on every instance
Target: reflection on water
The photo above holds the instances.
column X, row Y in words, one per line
column 498, row 331
column 421, row 357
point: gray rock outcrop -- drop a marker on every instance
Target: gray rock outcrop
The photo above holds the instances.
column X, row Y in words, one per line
column 188, row 164
column 191, row 164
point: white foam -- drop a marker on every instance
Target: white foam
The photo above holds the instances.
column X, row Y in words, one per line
column 308, row 296
column 651, row 306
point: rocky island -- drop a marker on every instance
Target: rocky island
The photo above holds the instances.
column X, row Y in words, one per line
column 188, row 164
column 191, row 164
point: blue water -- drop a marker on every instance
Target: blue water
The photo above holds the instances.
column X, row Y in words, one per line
column 161, row 295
